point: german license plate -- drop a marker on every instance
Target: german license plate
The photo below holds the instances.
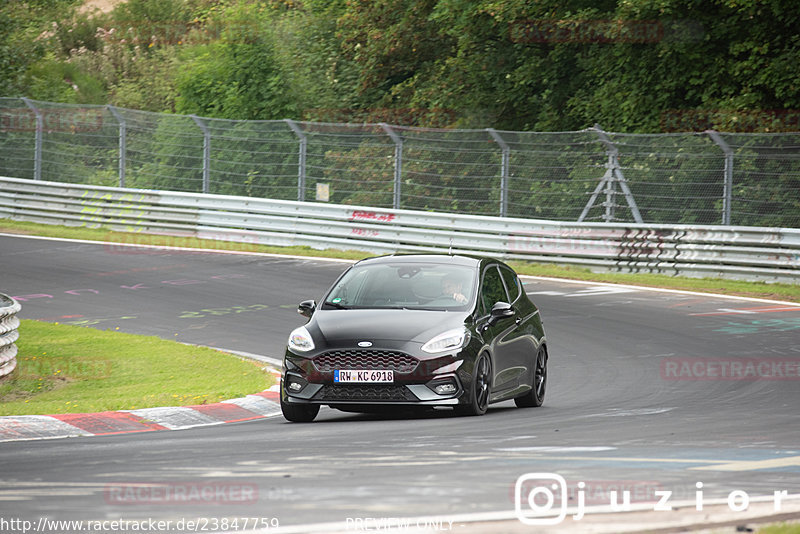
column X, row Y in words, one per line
column 357, row 376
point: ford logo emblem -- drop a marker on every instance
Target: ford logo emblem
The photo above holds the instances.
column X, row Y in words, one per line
column 365, row 344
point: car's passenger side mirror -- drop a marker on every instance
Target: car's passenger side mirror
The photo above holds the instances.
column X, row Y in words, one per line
column 501, row 310
column 306, row 308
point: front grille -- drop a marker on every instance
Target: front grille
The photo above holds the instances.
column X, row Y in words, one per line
column 365, row 393
column 366, row 360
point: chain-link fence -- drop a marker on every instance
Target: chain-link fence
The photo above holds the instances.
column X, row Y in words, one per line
column 589, row 175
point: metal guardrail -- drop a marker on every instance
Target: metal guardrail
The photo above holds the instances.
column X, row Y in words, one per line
column 733, row 252
column 8, row 334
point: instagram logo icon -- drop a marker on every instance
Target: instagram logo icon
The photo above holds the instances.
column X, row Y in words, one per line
column 544, row 494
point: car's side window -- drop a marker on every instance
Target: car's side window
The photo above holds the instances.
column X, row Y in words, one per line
column 492, row 289
column 512, row 284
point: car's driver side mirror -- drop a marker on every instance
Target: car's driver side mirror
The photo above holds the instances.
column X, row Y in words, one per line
column 306, row 308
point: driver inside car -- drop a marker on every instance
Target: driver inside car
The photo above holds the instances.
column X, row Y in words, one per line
column 452, row 288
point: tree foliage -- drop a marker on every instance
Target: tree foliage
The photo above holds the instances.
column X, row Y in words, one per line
column 234, row 78
column 550, row 65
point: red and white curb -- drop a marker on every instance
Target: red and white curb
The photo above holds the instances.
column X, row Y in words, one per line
column 30, row 427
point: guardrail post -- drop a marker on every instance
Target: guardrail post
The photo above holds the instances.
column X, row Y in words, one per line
column 301, row 163
column 727, row 189
column 398, row 163
column 505, row 164
column 8, row 334
column 206, row 151
column 123, row 140
column 37, row 158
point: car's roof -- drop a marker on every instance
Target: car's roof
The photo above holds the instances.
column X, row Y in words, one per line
column 449, row 259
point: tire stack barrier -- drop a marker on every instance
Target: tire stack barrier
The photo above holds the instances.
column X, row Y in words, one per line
column 8, row 334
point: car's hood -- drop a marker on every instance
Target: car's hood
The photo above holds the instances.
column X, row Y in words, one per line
column 348, row 327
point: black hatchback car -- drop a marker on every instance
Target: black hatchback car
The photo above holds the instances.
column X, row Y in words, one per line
column 417, row 331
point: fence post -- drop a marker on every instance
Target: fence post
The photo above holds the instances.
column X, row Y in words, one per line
column 727, row 188
column 504, row 170
column 301, row 163
column 398, row 163
column 206, row 151
column 123, row 140
column 37, row 158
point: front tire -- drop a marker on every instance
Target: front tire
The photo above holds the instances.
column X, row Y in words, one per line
column 299, row 413
column 481, row 388
column 535, row 397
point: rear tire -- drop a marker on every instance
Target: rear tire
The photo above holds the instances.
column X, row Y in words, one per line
column 299, row 413
column 481, row 388
column 535, row 397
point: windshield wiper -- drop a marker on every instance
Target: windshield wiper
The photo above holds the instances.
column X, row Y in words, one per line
column 337, row 305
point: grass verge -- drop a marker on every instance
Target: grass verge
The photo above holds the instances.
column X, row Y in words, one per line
column 788, row 292
column 781, row 528
column 71, row 369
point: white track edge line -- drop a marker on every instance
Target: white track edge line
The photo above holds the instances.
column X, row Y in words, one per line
column 661, row 290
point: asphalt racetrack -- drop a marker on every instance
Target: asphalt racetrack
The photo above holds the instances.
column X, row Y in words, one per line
column 648, row 391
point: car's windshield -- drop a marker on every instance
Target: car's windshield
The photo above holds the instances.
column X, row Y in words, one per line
column 419, row 286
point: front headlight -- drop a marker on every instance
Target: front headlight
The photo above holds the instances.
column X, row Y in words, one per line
column 300, row 340
column 447, row 341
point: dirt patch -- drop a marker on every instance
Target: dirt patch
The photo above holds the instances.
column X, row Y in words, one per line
column 18, row 231
column 103, row 6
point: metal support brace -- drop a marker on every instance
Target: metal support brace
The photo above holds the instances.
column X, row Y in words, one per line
column 398, row 163
column 301, row 163
column 504, row 170
column 603, row 183
column 727, row 191
column 612, row 177
column 609, row 203
column 37, row 158
column 123, row 139
column 206, row 151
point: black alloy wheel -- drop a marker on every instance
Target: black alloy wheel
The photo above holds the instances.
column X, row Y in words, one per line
column 535, row 397
column 481, row 387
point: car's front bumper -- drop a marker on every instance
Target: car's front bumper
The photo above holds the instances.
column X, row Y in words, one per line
column 432, row 381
